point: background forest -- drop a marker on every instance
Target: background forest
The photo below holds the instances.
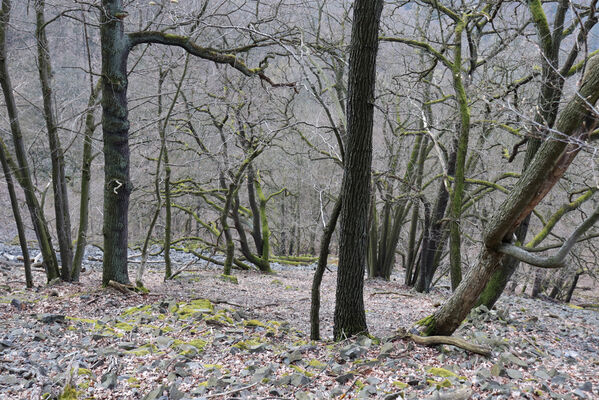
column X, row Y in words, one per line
column 238, row 133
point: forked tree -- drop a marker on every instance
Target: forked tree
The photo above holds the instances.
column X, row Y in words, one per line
column 116, row 47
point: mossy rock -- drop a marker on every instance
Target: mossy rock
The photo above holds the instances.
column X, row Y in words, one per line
column 198, row 306
column 198, row 344
column 229, row 278
column 254, row 322
column 144, row 350
column 124, row 326
column 445, row 383
column 82, row 320
column 400, row 385
column 314, row 363
column 441, row 372
column 136, row 310
column 247, row 344
column 84, row 371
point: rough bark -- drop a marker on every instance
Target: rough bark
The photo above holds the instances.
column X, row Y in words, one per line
column 115, row 129
column 350, row 317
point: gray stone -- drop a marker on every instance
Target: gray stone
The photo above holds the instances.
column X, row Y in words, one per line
column 127, row 345
column 293, row 357
column 352, row 351
column 304, row 396
column 373, row 381
column 174, row 393
column 542, row 374
column 108, row 380
column 513, row 373
column 509, row 358
column 386, row 349
column 298, row 379
column 155, row 394
column 164, row 342
column 587, row 387
column 262, row 373
column 258, row 348
column 9, row 380
column 47, row 318
column 344, row 378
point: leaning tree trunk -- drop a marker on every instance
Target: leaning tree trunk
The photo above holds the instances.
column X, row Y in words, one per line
column 350, row 317
column 325, row 242
column 23, row 173
column 548, row 105
column 577, row 120
column 14, row 202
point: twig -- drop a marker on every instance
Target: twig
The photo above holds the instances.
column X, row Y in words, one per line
column 189, row 264
column 231, row 391
column 397, row 293
column 218, row 301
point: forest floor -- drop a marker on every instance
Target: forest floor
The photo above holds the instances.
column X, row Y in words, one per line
column 202, row 337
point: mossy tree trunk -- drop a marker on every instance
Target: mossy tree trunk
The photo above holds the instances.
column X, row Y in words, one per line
column 552, row 81
column 59, row 183
column 23, row 173
column 553, row 158
column 350, row 318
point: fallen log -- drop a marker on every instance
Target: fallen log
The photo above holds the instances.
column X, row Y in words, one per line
column 436, row 340
column 127, row 289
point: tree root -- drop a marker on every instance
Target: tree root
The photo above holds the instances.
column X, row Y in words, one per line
column 435, row 340
column 126, row 289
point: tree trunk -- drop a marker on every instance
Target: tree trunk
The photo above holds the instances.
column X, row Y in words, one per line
column 551, row 161
column 14, row 202
column 115, row 128
column 59, row 184
column 325, row 241
column 350, row 318
column 457, row 193
column 23, row 173
column 90, row 126
column 256, row 223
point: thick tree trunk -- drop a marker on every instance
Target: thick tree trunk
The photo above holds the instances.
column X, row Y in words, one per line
column 115, row 128
column 350, row 318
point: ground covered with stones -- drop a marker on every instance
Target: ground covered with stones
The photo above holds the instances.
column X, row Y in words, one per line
column 204, row 337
